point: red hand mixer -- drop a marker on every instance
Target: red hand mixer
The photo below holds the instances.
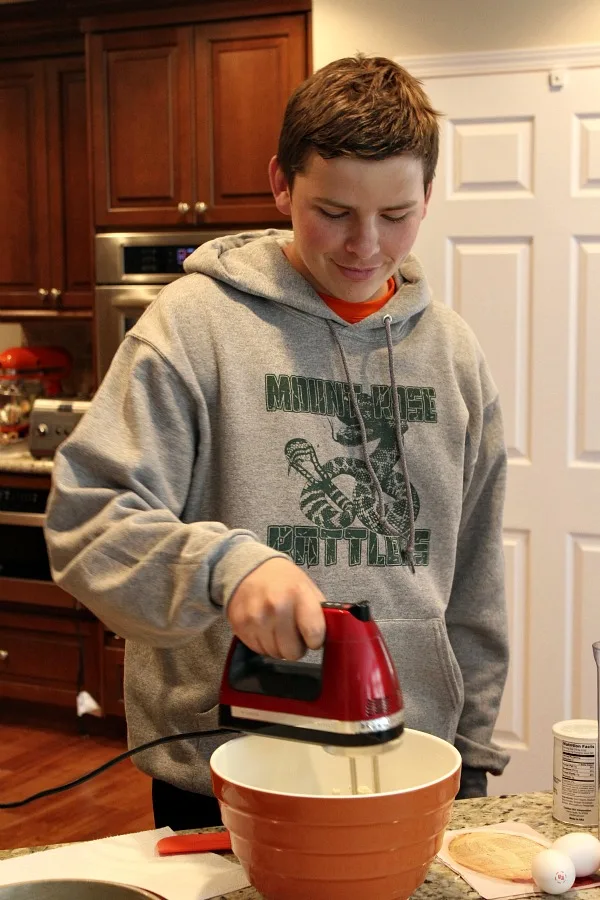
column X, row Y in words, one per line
column 350, row 702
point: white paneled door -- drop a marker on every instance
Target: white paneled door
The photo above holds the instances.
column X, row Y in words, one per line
column 512, row 242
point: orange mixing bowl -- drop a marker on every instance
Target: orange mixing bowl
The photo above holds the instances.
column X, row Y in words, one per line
column 300, row 833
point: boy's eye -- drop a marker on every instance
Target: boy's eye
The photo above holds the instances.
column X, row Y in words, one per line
column 330, row 215
column 342, row 215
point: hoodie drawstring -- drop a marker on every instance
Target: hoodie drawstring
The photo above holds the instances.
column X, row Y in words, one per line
column 386, row 525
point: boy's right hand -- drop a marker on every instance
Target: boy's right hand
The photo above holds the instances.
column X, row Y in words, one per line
column 276, row 611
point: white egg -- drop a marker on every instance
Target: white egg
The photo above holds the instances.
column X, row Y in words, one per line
column 552, row 871
column 583, row 849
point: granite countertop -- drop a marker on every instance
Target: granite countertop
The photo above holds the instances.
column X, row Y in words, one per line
column 441, row 883
column 17, row 458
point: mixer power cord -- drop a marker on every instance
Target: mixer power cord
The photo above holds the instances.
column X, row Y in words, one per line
column 112, row 762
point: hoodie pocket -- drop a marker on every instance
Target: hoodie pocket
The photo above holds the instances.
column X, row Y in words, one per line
column 430, row 678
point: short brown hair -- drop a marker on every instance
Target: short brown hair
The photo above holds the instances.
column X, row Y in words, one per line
column 367, row 107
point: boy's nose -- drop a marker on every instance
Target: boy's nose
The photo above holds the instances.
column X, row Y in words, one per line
column 363, row 241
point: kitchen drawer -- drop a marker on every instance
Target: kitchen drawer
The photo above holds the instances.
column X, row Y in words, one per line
column 112, row 676
column 48, row 659
column 35, row 593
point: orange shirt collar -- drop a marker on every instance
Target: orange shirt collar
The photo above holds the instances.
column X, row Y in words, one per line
column 356, row 312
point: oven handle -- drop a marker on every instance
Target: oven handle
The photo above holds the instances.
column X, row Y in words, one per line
column 34, row 520
column 132, row 302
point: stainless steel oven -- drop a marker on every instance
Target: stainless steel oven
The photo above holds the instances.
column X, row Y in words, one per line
column 131, row 270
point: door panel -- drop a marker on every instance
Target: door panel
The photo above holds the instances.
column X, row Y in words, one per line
column 24, row 262
column 141, row 102
column 69, row 184
column 512, row 242
column 245, row 72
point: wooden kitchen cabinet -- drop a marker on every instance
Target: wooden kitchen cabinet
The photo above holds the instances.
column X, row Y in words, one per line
column 51, row 647
column 244, row 74
column 141, row 97
column 45, row 221
column 69, row 191
column 48, row 658
column 185, row 119
column 25, row 260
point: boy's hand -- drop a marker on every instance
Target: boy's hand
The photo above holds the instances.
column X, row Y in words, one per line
column 276, row 611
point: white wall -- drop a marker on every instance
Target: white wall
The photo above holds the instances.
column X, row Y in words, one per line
column 423, row 27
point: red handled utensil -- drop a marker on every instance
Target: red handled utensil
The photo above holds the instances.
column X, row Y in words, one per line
column 194, row 843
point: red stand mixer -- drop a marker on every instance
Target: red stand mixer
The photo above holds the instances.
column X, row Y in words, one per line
column 25, row 374
column 351, row 702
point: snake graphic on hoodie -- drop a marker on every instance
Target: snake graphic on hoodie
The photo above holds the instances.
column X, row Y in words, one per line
column 241, row 420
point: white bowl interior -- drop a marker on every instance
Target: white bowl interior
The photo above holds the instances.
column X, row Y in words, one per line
column 295, row 768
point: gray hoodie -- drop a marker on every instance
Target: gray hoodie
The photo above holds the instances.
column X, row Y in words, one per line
column 226, row 433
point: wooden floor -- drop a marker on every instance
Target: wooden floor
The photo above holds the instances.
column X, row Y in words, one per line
column 38, row 752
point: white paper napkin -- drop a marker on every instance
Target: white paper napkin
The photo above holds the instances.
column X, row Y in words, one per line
column 498, row 888
column 131, row 859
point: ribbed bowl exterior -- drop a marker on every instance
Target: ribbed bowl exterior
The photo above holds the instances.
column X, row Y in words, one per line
column 376, row 847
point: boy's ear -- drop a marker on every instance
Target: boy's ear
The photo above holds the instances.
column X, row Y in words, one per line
column 280, row 188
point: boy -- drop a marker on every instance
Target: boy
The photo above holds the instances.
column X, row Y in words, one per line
column 297, row 421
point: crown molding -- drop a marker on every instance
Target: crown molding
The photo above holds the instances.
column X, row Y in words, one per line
column 576, row 56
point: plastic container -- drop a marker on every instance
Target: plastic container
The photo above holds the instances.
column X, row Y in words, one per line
column 575, row 800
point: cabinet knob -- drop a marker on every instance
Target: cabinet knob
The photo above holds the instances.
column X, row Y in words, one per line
column 183, row 208
column 201, row 207
column 56, row 295
column 3, row 655
column 43, row 293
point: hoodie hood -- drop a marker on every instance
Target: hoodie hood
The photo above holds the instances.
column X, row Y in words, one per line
column 254, row 263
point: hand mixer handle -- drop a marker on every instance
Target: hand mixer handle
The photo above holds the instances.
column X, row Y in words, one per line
column 251, row 672
column 256, row 674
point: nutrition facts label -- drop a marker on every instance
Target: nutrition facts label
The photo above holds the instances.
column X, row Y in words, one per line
column 575, row 789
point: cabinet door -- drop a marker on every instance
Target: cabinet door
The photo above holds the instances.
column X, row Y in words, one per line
column 141, row 126
column 245, row 72
column 48, row 658
column 25, row 258
column 69, row 184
